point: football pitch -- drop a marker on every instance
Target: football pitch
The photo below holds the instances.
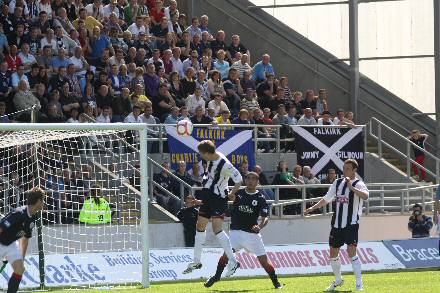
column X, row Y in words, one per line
column 419, row 281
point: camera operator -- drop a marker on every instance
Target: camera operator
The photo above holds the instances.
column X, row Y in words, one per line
column 419, row 224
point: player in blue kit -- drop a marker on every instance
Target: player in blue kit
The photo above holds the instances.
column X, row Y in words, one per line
column 248, row 205
column 18, row 225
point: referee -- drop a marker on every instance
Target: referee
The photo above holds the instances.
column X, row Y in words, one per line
column 18, row 225
column 348, row 194
column 214, row 202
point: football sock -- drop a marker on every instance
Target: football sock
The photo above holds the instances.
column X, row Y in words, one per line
column 226, row 245
column 199, row 240
column 357, row 268
column 222, row 262
column 336, row 267
column 14, row 283
column 271, row 272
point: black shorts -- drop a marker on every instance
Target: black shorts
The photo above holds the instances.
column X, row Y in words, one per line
column 213, row 205
column 340, row 236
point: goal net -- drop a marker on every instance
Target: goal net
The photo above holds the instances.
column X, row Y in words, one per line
column 90, row 232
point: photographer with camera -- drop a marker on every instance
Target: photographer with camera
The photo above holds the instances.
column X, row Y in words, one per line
column 419, row 224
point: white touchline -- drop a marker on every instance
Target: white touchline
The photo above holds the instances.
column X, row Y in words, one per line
column 329, row 152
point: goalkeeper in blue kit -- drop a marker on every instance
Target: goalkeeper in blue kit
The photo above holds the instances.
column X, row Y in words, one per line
column 18, row 225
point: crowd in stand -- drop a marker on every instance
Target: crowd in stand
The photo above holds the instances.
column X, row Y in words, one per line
column 144, row 61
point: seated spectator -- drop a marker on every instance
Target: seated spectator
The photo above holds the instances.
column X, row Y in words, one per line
column 105, row 116
column 265, row 91
column 98, row 43
column 194, row 29
column 419, row 224
column 284, row 84
column 310, row 178
column 33, row 76
column 243, row 117
column 188, row 216
column 188, row 82
column 221, row 64
column 96, row 209
column 215, row 84
column 236, row 47
column 219, row 43
column 165, row 103
column 45, row 59
column 165, row 199
column 60, row 60
column 53, row 115
column 195, row 100
column 307, row 118
column 262, row 178
column 173, row 117
column 196, row 174
column 200, row 117
column 74, row 116
column 68, row 100
column 233, row 91
column 242, row 65
column 223, row 118
column 18, row 76
column 291, row 116
column 89, row 21
column 331, row 177
column 309, row 102
column 262, row 69
column 26, row 57
column 3, row 116
column 277, row 100
column 24, row 99
column 340, row 119
column 325, row 118
column 284, row 177
column 217, row 104
column 134, row 116
column 249, row 102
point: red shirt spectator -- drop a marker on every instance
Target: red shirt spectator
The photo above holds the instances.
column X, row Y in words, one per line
column 13, row 59
column 157, row 13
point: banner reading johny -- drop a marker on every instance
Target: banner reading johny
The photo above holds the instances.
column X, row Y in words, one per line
column 236, row 145
column 323, row 148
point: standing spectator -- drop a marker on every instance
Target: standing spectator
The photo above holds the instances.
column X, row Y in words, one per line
column 321, row 101
column 188, row 216
column 262, row 69
column 131, row 11
column 307, row 118
column 284, row 84
column 419, row 139
column 419, row 224
column 177, row 62
column 96, row 210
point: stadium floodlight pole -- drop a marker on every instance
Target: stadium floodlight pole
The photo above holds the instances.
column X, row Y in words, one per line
column 353, row 17
column 144, row 207
column 437, row 73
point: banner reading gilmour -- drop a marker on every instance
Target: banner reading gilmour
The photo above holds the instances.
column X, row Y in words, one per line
column 323, row 148
column 236, row 145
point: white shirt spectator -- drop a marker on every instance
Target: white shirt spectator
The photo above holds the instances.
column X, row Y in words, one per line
column 135, row 30
column 131, row 119
column 80, row 65
column 241, row 68
column 103, row 119
column 151, row 61
column 12, row 4
column 89, row 9
column 107, row 10
column 321, row 122
column 72, row 120
column 178, row 66
column 52, row 43
column 306, row 121
column 192, row 102
column 218, row 108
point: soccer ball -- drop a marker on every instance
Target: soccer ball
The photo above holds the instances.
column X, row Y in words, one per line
column 184, row 127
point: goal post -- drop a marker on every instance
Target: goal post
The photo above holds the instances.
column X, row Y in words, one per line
column 39, row 142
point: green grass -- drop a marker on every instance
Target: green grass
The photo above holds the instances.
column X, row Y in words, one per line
column 422, row 281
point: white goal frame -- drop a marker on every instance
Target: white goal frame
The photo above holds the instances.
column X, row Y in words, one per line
column 142, row 128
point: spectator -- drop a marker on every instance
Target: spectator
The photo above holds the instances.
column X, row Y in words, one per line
column 243, row 117
column 204, row 21
column 262, row 69
column 284, row 84
column 18, row 76
column 200, row 117
column 177, row 63
column 291, row 116
column 331, row 177
column 96, row 209
column 284, row 177
column 60, row 60
column 105, row 116
column 321, row 101
column 132, row 12
column 307, row 118
column 217, row 104
column 152, row 81
column 223, row 118
column 134, row 116
column 340, row 119
column 188, row 216
column 192, row 61
column 74, row 114
column 215, row 84
column 419, row 224
column 221, row 64
column 325, row 119
column 99, row 42
column 265, row 91
column 233, row 91
column 309, row 178
column 242, row 65
column 53, row 114
column 195, row 100
column 194, row 29
column 173, row 117
column 236, row 47
column 165, row 103
column 24, row 99
column 121, row 105
column 249, row 102
column 419, row 139
column 165, row 199
column 26, row 57
column 280, row 117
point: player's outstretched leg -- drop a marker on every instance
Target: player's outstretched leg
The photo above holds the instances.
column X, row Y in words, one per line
column 198, row 242
column 223, row 239
column 14, row 281
column 218, row 273
column 270, row 271
column 356, row 264
column 336, row 267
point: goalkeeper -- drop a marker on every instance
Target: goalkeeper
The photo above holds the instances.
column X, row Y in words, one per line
column 96, row 210
column 18, row 225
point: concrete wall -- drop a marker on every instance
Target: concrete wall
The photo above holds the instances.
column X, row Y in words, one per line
column 77, row 239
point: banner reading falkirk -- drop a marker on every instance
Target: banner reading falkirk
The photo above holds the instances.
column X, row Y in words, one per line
column 236, row 145
column 323, row 148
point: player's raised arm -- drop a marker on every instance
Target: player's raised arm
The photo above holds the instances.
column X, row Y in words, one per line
column 360, row 189
column 331, row 193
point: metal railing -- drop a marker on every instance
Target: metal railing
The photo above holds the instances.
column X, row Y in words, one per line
column 376, row 131
column 32, row 110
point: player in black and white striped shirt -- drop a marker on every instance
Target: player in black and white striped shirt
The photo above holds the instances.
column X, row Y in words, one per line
column 348, row 194
column 214, row 202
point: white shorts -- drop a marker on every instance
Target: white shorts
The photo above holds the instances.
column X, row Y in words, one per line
column 251, row 242
column 10, row 252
